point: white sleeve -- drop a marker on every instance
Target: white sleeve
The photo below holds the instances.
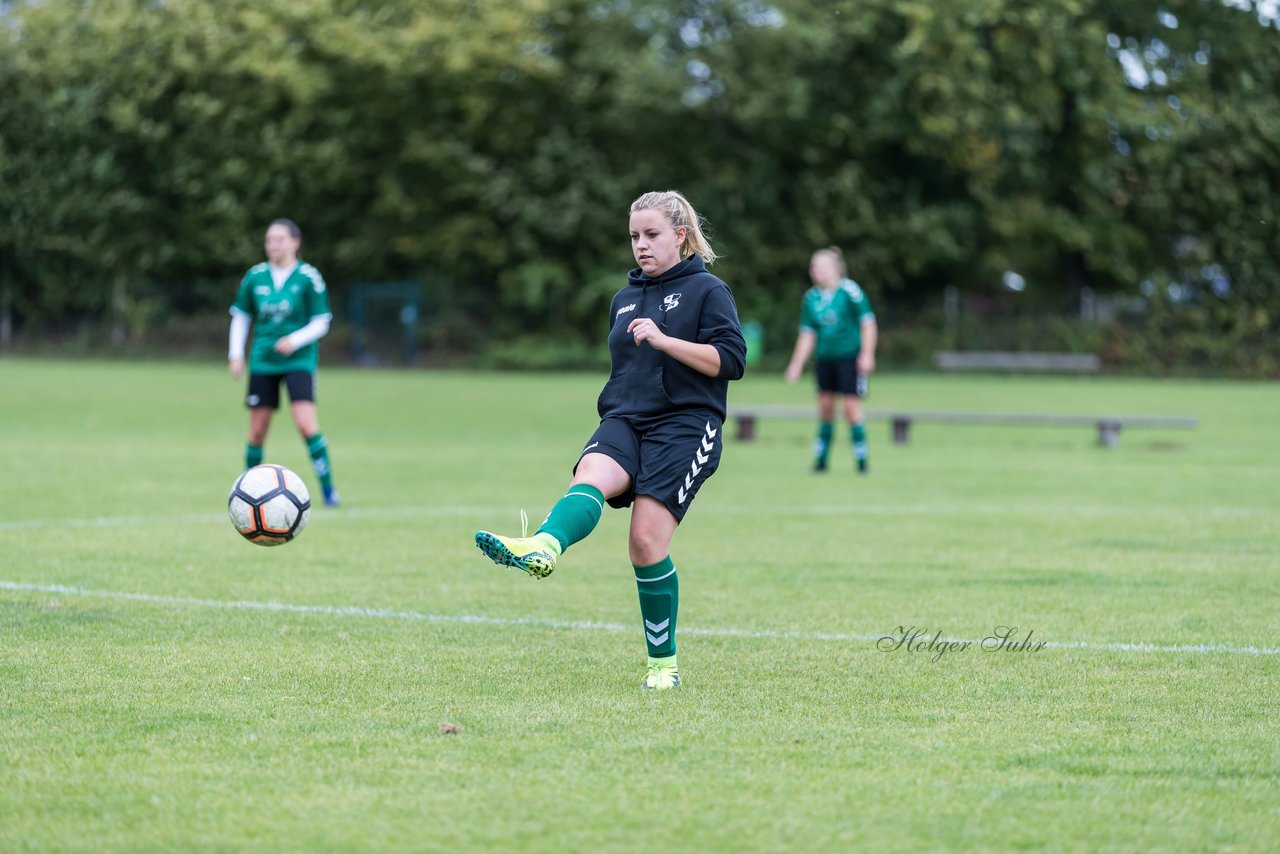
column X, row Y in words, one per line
column 239, row 335
column 313, row 331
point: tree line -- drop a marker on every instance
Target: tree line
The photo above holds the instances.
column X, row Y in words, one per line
column 491, row 149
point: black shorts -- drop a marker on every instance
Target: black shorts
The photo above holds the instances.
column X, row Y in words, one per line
column 264, row 389
column 841, row 376
column 668, row 458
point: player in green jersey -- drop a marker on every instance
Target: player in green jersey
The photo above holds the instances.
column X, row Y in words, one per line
column 837, row 323
column 287, row 303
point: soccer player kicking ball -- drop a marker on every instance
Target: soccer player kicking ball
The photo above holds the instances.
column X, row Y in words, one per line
column 675, row 343
column 836, row 320
column 287, row 304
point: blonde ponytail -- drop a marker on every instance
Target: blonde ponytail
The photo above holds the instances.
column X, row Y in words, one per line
column 680, row 214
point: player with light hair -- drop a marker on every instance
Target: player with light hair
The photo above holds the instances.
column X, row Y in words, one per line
column 675, row 343
column 837, row 322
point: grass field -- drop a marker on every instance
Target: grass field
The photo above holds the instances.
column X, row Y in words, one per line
column 166, row 686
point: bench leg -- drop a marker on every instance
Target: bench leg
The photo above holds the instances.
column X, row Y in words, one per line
column 1108, row 434
column 746, row 428
column 901, row 428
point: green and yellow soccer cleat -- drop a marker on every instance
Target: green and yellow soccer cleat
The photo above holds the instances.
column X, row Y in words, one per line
column 534, row 555
column 663, row 675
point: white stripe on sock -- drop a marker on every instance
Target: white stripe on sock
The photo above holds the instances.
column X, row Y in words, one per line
column 585, row 495
column 659, row 578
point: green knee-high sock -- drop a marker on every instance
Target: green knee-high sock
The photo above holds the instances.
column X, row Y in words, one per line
column 822, row 444
column 858, row 435
column 319, row 450
column 574, row 516
column 252, row 455
column 659, row 588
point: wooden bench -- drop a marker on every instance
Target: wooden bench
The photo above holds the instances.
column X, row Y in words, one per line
column 991, row 360
column 1108, row 426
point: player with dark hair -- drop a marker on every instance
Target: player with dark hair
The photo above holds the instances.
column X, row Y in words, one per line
column 675, row 343
column 836, row 320
column 287, row 304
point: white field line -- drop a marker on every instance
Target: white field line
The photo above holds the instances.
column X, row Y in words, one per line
column 328, row 516
column 586, row 625
column 196, row 518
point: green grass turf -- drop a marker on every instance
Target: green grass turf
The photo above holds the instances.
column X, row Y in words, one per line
column 157, row 724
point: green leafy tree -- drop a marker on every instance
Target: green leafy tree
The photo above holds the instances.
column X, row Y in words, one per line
column 493, row 148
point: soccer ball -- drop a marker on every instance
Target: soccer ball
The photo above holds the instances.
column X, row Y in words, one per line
column 269, row 505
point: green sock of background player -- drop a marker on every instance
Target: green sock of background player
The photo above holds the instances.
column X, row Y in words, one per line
column 318, row 448
column 858, row 435
column 252, row 455
column 822, row 444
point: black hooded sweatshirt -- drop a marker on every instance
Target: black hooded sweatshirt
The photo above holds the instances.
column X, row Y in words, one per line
column 685, row 302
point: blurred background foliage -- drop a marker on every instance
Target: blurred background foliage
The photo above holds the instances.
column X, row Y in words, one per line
column 1123, row 159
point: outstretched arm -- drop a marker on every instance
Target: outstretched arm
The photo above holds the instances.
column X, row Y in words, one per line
column 867, row 357
column 800, row 355
column 236, row 339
